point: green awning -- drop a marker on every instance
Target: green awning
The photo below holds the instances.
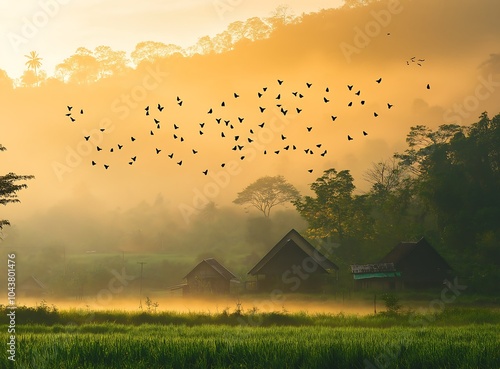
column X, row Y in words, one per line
column 377, row 275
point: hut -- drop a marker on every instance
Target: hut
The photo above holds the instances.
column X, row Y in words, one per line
column 209, row 277
column 414, row 265
column 32, row 287
column 293, row 265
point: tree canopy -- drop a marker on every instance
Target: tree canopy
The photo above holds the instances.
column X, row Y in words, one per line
column 9, row 187
column 266, row 193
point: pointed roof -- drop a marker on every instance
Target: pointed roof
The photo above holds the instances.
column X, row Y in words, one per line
column 404, row 249
column 294, row 238
column 218, row 267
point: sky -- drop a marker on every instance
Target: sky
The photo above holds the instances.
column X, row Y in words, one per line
column 56, row 28
column 71, row 201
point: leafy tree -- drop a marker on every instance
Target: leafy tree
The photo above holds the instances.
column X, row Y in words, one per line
column 266, row 193
column 334, row 212
column 9, row 188
column 152, row 50
column 110, row 62
column 80, row 68
column 5, row 81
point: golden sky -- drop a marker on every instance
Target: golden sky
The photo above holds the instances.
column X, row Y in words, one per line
column 455, row 41
column 56, row 28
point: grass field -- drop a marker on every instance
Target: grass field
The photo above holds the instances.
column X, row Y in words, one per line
column 209, row 346
column 455, row 338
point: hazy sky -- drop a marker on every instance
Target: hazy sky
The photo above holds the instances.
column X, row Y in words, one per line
column 459, row 41
column 56, row 28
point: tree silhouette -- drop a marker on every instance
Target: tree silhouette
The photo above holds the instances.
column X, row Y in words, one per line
column 9, row 189
column 267, row 192
column 34, row 62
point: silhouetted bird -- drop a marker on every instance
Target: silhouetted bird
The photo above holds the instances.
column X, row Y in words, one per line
column 160, row 108
column 151, row 133
column 378, row 80
column 375, row 114
column 362, row 102
column 171, row 155
column 156, row 120
column 210, row 111
column 223, row 165
column 87, row 138
column 236, row 95
column 223, row 104
column 102, row 129
column 259, row 95
column 349, row 87
column 286, row 147
column 298, row 110
column 69, row 107
column 93, row 162
column 365, row 134
column 132, row 139
column 278, row 97
column 179, row 163
column 308, row 85
column 262, row 109
column 81, row 111
column 349, row 138
column 310, row 170
column 327, row 89
column 333, row 118
column 283, row 111
column 106, row 166
column 205, row 172
column 325, row 100
column 98, row 148
column 428, row 86
column 222, row 134
column 283, row 137
column 201, row 132
column 294, row 93
column 194, row 151
column 158, row 150
column 323, row 153
column 180, row 103
column 111, row 150
column 277, row 152
column 240, row 119
column 309, row 129
column 262, row 124
column 236, row 138
column 357, row 93
column 350, row 103
column 133, row 158
column 218, row 120
column 202, row 125
column 389, row 106
column 280, row 82
column 72, row 119
column 120, row 147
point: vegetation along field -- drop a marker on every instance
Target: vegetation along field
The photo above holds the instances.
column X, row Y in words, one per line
column 456, row 338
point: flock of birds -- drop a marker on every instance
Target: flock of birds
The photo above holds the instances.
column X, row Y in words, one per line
column 158, row 115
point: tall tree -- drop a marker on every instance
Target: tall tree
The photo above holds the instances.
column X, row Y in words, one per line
column 34, row 62
column 334, row 213
column 266, row 193
column 9, row 187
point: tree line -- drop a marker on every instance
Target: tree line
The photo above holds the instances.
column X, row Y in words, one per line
column 444, row 186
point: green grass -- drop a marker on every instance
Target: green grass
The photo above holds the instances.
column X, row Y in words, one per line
column 178, row 346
